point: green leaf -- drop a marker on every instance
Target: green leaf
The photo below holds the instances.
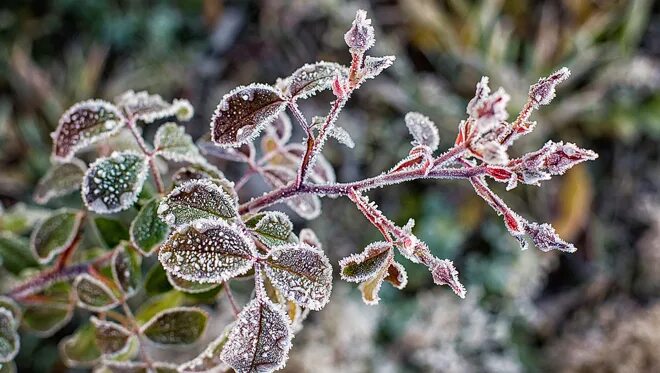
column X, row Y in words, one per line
column 205, row 171
column 80, row 349
column 60, row 180
column 147, row 230
column 9, row 341
column 93, row 294
column 209, row 359
column 126, row 268
column 182, row 325
column 11, row 306
column 207, row 251
column 20, row 219
column 156, row 281
column 313, row 78
column 190, row 287
column 244, row 112
column 53, row 311
column 111, row 338
column 53, row 235
column 15, row 254
column 195, row 200
column 261, row 339
column 112, row 184
column 148, row 108
column 362, row 266
column 174, row 144
column 272, row 227
column 301, row 273
column 158, row 304
column 123, row 367
column 83, row 124
column 111, row 231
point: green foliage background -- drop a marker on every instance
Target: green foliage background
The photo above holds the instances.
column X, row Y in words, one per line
column 54, row 53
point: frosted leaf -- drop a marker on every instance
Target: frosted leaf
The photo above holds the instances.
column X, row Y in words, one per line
column 209, row 360
column 373, row 66
column 546, row 239
column 365, row 265
column 54, row 234
column 84, row 123
column 53, row 311
column 301, row 273
column 112, row 184
column 480, row 95
column 491, row 152
column 205, row 171
column 176, row 326
column 553, row 159
column 147, row 230
column 240, row 154
column 307, row 236
column 9, row 340
column 243, row 113
column 189, row 287
column 93, row 294
column 397, row 275
column 313, row 78
column 307, row 206
column 543, row 91
column 342, row 136
column 149, row 108
column 281, row 128
column 261, row 339
column 11, row 306
column 360, row 36
column 124, row 367
column 60, row 180
column 423, row 130
column 444, row 273
column 207, row 251
column 272, row 227
column 126, row 268
column 197, row 199
column 490, row 111
column 173, row 143
column 112, row 339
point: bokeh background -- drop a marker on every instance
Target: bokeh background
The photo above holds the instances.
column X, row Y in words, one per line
column 526, row 311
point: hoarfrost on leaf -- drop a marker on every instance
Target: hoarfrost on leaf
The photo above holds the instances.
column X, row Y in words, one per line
column 93, row 294
column 444, row 273
column 173, row 143
column 307, row 236
column 176, row 326
column 543, row 91
column 54, row 234
column 313, row 78
column 111, row 338
column 261, row 339
column 194, row 200
column 423, row 130
column 301, row 273
column 342, row 136
column 360, row 267
column 189, row 287
column 60, row 180
column 207, row 251
column 243, row 113
column 273, row 228
column 545, row 238
column 112, row 184
column 307, row 206
column 126, row 268
column 373, row 66
column 360, row 36
column 83, row 124
column 149, row 108
column 9, row 340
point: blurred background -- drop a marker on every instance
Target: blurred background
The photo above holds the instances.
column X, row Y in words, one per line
column 526, row 311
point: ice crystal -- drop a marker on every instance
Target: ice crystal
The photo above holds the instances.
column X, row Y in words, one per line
column 149, row 108
column 423, row 130
column 545, row 238
column 302, row 273
column 313, row 78
column 60, row 180
column 553, row 159
column 243, row 113
column 308, row 237
column 342, row 136
column 189, row 287
column 261, row 339
column 196, row 199
column 84, row 123
column 207, row 251
column 365, row 265
column 111, row 184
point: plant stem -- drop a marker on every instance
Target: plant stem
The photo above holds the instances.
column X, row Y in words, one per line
column 232, row 301
column 158, row 181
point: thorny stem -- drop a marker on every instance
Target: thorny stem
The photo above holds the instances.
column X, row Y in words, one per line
column 232, row 301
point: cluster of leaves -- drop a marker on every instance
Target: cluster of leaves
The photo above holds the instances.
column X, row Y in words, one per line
column 204, row 238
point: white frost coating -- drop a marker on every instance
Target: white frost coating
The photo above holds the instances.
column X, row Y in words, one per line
column 362, row 266
column 196, row 199
column 444, row 273
column 60, row 180
column 111, row 338
column 402, row 276
column 43, row 232
column 93, row 294
column 308, row 236
column 112, row 184
column 275, row 225
column 423, row 130
column 360, row 36
column 8, row 326
column 545, row 238
column 208, row 250
column 373, row 66
column 261, row 339
column 173, row 143
column 189, row 287
column 302, row 273
column 124, row 269
column 238, row 118
column 342, row 136
column 83, row 124
column 543, row 91
column 312, row 78
column 149, row 108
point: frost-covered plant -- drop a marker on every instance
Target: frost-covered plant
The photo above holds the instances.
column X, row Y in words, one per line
column 204, row 237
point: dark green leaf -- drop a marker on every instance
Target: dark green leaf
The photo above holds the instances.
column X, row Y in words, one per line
column 80, row 349
column 196, row 200
column 126, row 268
column 111, row 231
column 93, row 294
column 182, row 325
column 147, row 230
column 15, row 253
column 272, row 227
column 53, row 235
